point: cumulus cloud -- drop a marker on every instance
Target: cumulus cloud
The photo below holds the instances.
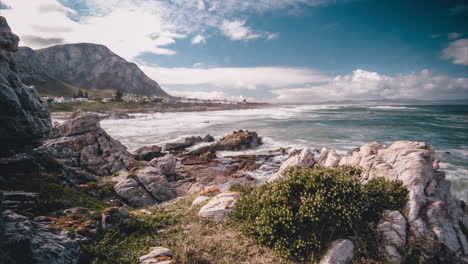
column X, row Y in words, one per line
column 128, row 27
column 457, row 52
column 198, row 39
column 361, row 84
column 236, row 30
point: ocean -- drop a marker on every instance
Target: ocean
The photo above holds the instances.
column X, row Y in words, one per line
column 342, row 127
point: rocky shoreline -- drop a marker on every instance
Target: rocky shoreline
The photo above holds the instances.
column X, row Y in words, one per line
column 64, row 186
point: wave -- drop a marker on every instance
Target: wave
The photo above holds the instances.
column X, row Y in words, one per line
column 388, row 107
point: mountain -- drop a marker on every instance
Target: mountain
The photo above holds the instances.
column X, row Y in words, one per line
column 63, row 69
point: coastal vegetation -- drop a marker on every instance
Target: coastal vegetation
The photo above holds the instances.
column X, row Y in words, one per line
column 299, row 215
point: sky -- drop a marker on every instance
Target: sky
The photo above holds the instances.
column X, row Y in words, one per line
column 269, row 50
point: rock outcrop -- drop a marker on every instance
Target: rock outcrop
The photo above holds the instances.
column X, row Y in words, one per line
column 147, row 153
column 188, row 142
column 24, row 117
column 81, row 143
column 220, row 206
column 149, row 185
column 392, row 228
column 303, row 160
column 238, row 140
column 431, row 212
column 86, row 66
column 329, row 158
column 35, row 241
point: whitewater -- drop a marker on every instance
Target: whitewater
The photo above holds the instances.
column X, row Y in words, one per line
column 343, row 127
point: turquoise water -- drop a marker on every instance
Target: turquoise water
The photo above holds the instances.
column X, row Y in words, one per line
column 343, row 127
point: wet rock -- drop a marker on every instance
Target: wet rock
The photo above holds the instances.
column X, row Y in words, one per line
column 82, row 143
column 304, row 160
column 188, row 142
column 114, row 217
column 204, row 158
column 147, row 153
column 117, row 115
column 238, row 140
column 340, row 252
column 220, row 207
column 24, row 117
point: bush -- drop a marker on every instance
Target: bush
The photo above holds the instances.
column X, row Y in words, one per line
column 299, row 215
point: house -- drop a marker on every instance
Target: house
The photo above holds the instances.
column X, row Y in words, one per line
column 81, row 100
column 105, row 100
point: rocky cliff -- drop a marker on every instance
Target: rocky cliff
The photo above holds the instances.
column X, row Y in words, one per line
column 85, row 66
column 24, row 118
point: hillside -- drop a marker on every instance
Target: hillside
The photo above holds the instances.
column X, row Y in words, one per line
column 63, row 69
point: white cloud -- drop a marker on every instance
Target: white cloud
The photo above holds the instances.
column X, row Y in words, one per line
column 272, row 36
column 362, row 84
column 128, row 27
column 236, row 30
column 247, row 78
column 198, row 39
column 457, row 52
column 454, row 35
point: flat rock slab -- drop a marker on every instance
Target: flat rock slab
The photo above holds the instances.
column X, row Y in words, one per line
column 220, row 207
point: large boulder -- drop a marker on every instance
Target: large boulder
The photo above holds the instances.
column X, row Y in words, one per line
column 149, row 185
column 220, row 206
column 303, row 160
column 81, row 142
column 431, row 211
column 24, row 117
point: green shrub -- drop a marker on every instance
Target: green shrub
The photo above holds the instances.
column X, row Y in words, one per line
column 299, row 215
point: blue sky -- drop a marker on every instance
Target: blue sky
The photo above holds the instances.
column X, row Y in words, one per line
column 270, row 50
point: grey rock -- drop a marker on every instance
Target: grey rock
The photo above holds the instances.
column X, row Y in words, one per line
column 134, row 193
column 329, row 158
column 392, row 228
column 82, row 143
column 188, row 142
column 304, row 160
column 28, row 241
column 114, row 217
column 155, row 252
column 220, row 206
column 76, row 210
column 165, row 165
column 87, row 66
column 340, row 252
column 431, row 211
column 147, row 153
column 24, row 117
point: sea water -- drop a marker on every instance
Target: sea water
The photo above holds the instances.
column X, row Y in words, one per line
column 343, row 127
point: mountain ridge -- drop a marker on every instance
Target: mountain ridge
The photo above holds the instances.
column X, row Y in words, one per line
column 63, row 69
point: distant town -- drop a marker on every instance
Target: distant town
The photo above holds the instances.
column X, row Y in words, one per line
column 82, row 97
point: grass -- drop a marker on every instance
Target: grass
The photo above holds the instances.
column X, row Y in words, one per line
column 193, row 240
column 54, row 196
